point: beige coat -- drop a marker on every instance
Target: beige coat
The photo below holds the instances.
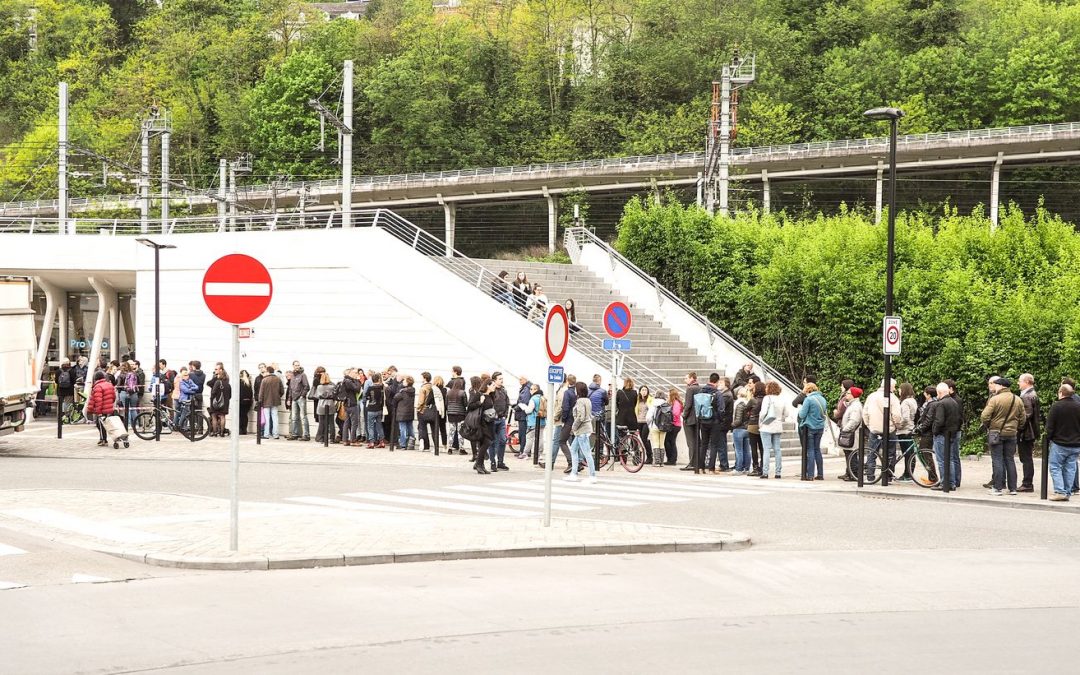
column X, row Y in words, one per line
column 996, row 416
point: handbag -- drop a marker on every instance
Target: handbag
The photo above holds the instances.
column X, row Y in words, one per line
column 489, row 415
column 846, row 439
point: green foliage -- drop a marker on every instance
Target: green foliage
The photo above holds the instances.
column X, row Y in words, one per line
column 808, row 295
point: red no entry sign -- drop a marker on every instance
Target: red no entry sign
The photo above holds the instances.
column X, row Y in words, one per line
column 556, row 334
column 237, row 288
column 617, row 319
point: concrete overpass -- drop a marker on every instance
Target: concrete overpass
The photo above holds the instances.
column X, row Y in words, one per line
column 990, row 148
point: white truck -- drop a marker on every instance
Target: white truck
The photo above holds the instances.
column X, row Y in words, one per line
column 18, row 370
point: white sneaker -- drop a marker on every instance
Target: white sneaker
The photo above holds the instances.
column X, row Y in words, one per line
column 996, row 493
column 571, row 478
column 591, row 480
column 1012, row 493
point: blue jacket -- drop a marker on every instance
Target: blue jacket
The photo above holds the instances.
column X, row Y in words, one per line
column 533, row 416
column 811, row 412
column 569, row 398
column 188, row 389
column 598, row 398
column 523, row 397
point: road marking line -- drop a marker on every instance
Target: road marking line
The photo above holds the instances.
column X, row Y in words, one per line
column 598, row 490
column 693, row 490
column 417, row 501
column 64, row 521
column 503, row 501
column 88, row 579
column 356, row 506
column 10, row 550
column 8, row 585
column 562, row 496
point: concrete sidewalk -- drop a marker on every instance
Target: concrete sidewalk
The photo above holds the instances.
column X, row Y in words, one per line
column 193, row 532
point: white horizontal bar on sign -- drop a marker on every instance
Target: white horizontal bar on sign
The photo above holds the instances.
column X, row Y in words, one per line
column 500, row 501
column 256, row 290
column 439, row 504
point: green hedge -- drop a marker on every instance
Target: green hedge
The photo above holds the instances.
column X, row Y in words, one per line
column 808, row 295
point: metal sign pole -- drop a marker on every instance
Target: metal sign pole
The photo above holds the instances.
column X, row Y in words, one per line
column 614, row 391
column 549, row 437
column 234, row 443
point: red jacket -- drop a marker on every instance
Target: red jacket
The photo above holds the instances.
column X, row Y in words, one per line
column 102, row 398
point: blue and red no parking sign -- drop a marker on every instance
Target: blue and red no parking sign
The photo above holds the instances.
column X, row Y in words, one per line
column 617, row 319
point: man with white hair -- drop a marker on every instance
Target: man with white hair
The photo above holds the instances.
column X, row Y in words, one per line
column 946, row 427
column 874, row 418
column 1029, row 433
column 1063, row 432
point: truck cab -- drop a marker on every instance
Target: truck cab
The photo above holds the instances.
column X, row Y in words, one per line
column 18, row 370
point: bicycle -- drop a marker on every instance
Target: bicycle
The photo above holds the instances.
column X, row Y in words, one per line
column 74, row 414
column 629, row 450
column 919, row 463
column 197, row 425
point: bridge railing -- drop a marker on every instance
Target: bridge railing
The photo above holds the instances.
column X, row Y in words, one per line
column 609, row 164
column 576, row 238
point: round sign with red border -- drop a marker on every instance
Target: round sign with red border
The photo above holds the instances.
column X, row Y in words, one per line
column 556, row 334
column 617, row 319
column 237, row 288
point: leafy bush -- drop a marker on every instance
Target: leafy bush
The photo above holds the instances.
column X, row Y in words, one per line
column 808, row 295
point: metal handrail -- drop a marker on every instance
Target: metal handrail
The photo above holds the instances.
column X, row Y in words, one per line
column 576, row 237
column 636, row 162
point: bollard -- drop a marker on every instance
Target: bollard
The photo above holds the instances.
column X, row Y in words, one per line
column 803, row 442
column 862, row 457
column 946, row 468
column 60, row 416
column 1045, row 471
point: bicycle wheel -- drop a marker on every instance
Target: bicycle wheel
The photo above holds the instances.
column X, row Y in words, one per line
column 74, row 415
column 923, row 469
column 632, row 453
column 869, row 478
column 604, row 455
column 145, row 426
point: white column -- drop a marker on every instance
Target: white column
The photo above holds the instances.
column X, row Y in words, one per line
column 449, row 218
column 62, row 336
column 553, row 219
column 995, row 179
column 877, row 193
column 114, row 326
column 165, row 181
column 725, row 137
column 765, row 197
column 346, row 153
column 53, row 299
column 144, row 181
column 62, row 177
column 99, row 329
column 223, row 195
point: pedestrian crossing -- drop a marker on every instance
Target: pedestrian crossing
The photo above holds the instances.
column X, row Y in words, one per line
column 10, row 571
column 525, row 498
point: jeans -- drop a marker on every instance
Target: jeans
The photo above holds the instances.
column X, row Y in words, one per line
column 954, row 454
column 1063, row 467
column 374, row 427
column 1003, row 455
column 771, row 442
column 581, row 452
column 741, row 438
column 299, row 421
column 497, row 449
column 183, row 409
column 405, row 432
column 871, row 457
column 270, row 422
column 815, row 463
column 718, row 449
column 351, row 432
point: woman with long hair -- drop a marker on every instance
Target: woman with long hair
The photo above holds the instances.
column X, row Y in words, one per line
column 247, row 396
column 671, row 450
column 481, row 399
column 325, row 407
column 220, row 398
column 571, row 315
column 456, row 400
column 641, row 410
column 905, row 431
column 739, row 435
column 753, row 411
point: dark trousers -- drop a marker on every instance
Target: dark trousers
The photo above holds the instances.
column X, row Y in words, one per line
column 643, row 431
column 442, row 430
column 245, row 410
column 670, row 448
column 1027, row 461
column 718, row 449
column 755, row 451
column 705, row 434
column 430, row 428
column 691, row 442
column 565, row 436
column 391, row 428
column 523, row 434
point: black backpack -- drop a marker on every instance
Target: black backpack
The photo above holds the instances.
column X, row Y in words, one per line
column 665, row 417
column 472, row 426
column 63, row 379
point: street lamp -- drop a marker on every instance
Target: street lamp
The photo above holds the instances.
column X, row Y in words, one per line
column 157, row 330
column 893, row 115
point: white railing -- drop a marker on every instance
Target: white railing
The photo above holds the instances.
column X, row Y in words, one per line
column 640, row 162
column 576, row 238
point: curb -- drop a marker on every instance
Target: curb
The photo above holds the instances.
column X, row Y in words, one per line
column 975, row 501
column 731, row 542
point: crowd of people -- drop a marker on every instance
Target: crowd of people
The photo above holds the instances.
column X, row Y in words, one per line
column 393, row 410
column 528, row 299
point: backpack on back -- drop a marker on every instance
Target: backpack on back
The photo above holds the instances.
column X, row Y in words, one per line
column 703, row 405
column 665, row 417
column 542, row 412
column 63, row 380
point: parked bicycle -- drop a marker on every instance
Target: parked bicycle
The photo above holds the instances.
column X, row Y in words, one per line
column 920, row 464
column 196, row 425
column 74, row 413
column 629, row 450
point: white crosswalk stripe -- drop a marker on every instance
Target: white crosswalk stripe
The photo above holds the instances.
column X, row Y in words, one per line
column 10, row 550
column 8, row 585
column 525, row 497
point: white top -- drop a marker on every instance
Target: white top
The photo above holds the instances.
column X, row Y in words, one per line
column 779, row 410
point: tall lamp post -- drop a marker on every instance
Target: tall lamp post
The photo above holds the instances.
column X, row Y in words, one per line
column 893, row 115
column 157, row 331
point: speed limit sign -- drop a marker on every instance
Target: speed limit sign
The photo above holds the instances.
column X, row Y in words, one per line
column 891, row 333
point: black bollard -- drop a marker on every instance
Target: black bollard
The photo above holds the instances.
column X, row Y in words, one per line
column 60, row 416
column 803, row 443
column 1045, row 471
column 862, row 458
